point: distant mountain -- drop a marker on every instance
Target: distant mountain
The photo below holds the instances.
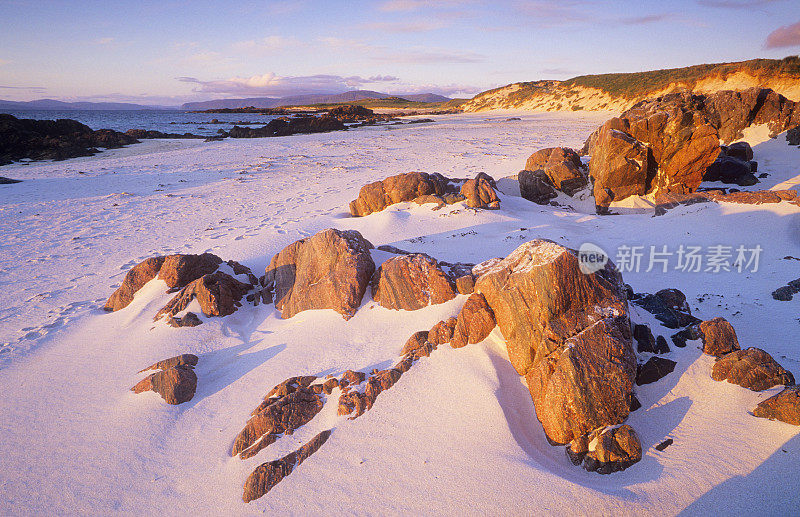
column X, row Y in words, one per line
column 51, row 104
column 304, row 100
column 618, row 92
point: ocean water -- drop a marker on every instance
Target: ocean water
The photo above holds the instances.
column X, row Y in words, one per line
column 167, row 121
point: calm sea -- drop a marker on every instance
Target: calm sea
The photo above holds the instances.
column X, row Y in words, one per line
column 166, row 121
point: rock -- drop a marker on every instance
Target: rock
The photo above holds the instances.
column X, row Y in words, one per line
column 479, row 193
column 654, row 369
column 540, row 298
column 176, row 382
column 718, row 337
column 661, row 345
column 728, row 169
column 330, row 270
column 732, row 111
column 474, row 323
column 183, row 359
column 278, row 414
column 645, row 342
column 417, row 344
column 785, row 406
column 562, row 166
column 179, row 270
column 430, row 198
column 536, row 186
column 689, row 333
column 586, row 384
column 190, row 319
column 669, row 307
column 740, row 150
column 784, row 293
column 219, row 294
column 8, row 181
column 353, row 378
column 144, row 134
column 134, row 280
column 793, row 136
column 269, row 474
column 411, row 282
column 465, row 284
column 53, row 139
column 374, row 197
column 663, row 445
column 621, row 165
column 606, row 450
column 442, row 332
column 751, row 368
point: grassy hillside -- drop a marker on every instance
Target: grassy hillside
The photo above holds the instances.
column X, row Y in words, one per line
column 394, row 102
column 642, row 83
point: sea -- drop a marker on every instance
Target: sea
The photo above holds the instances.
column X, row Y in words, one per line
column 166, row 121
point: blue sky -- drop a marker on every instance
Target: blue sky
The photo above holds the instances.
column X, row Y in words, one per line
column 169, row 52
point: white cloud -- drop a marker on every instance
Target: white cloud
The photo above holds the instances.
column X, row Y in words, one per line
column 272, row 85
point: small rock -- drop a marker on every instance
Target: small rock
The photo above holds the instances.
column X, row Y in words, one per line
column 606, row 450
column 474, row 323
column 663, row 445
column 719, row 337
column 654, row 369
column 417, row 344
column 785, row 406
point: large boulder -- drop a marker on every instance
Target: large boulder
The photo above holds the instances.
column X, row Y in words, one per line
column 751, row 368
column 411, row 282
column 134, row 280
column 536, row 186
column 330, row 270
column 561, row 165
column 479, row 193
column 731, row 112
column 731, row 170
column 474, row 323
column 376, row 196
column 621, row 165
column 567, row 332
column 719, row 337
column 785, row 406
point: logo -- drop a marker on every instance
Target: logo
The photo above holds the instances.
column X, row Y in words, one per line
column 591, row 258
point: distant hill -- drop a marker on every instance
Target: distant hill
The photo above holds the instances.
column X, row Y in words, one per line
column 51, row 104
column 617, row 92
column 307, row 100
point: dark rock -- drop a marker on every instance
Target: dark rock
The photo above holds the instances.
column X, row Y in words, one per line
column 653, row 370
column 190, row 319
column 411, row 282
column 793, row 136
column 536, row 186
column 562, row 166
column 689, row 333
column 740, row 150
column 751, row 368
column 661, row 345
column 330, row 270
column 785, row 406
column 663, row 445
column 669, row 307
column 8, row 181
column 645, row 342
column 728, row 169
column 269, row 474
column 719, row 337
column 144, row 134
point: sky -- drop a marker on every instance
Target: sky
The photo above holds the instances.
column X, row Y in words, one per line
column 174, row 51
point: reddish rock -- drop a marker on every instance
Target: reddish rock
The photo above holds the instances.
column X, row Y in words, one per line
column 479, row 193
column 411, row 282
column 751, row 368
column 179, row 270
column 417, row 344
column 562, row 166
column 374, row 197
column 353, row 377
column 280, row 415
column 176, row 384
column 442, row 332
column 621, row 165
column 718, row 337
column 474, row 323
column 134, row 280
column 465, row 284
column 219, row 294
column 329, row 385
column 269, row 474
column 606, row 450
column 330, row 270
column 785, row 406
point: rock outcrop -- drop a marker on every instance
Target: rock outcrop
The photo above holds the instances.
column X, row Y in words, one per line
column 474, row 323
column 176, row 381
column 376, row 196
column 53, row 139
column 479, row 193
column 411, row 282
column 606, row 450
column 751, row 368
column 567, row 332
column 669, row 306
column 269, row 474
column 330, row 270
column 562, row 166
column 442, row 332
column 536, row 186
column 785, row 406
column 719, row 337
column 218, row 293
column 134, row 280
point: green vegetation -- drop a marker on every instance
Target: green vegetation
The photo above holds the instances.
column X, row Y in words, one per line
column 641, row 83
column 393, row 102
